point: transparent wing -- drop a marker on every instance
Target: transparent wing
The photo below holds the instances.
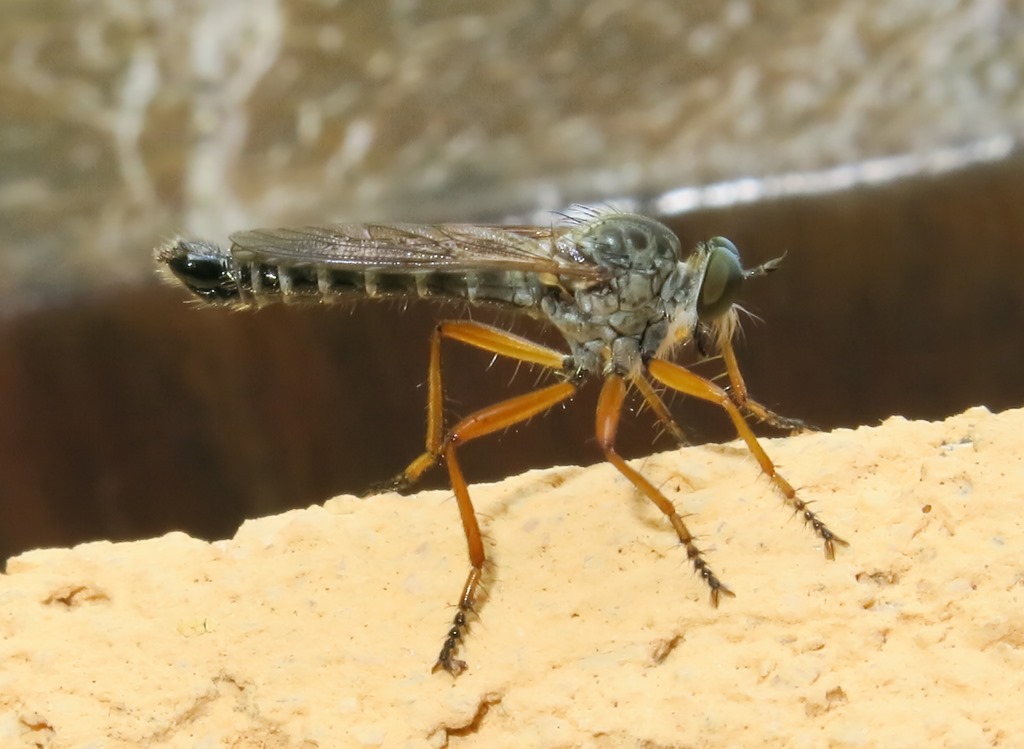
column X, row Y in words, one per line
column 411, row 247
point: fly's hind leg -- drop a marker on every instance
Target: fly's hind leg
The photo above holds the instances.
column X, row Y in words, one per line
column 609, row 409
column 485, row 421
column 441, row 445
column 479, row 336
column 685, row 381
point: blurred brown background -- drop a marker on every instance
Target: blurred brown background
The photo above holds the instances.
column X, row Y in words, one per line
column 877, row 143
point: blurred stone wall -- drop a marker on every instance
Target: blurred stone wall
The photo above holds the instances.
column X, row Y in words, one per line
column 124, row 122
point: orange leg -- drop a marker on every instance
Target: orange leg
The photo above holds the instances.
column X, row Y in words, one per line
column 685, row 381
column 485, row 421
column 641, row 383
column 440, row 445
column 738, row 394
column 609, row 408
column 482, row 337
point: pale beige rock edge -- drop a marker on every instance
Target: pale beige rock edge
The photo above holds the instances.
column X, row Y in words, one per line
column 317, row 628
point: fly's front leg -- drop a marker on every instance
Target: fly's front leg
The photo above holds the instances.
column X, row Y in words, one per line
column 609, row 409
column 485, row 421
column 482, row 337
column 738, row 394
column 685, row 381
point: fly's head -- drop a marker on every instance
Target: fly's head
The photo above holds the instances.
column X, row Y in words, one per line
column 707, row 288
column 203, row 268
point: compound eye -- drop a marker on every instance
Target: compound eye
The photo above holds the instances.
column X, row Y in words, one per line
column 723, row 276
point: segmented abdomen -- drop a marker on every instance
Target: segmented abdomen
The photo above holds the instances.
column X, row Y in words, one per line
column 259, row 283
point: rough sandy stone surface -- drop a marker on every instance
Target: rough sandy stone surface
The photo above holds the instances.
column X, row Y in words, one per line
column 317, row 628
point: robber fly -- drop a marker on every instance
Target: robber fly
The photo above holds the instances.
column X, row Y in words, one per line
column 616, row 285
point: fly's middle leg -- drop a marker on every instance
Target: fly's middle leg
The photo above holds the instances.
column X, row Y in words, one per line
column 657, row 405
column 609, row 409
